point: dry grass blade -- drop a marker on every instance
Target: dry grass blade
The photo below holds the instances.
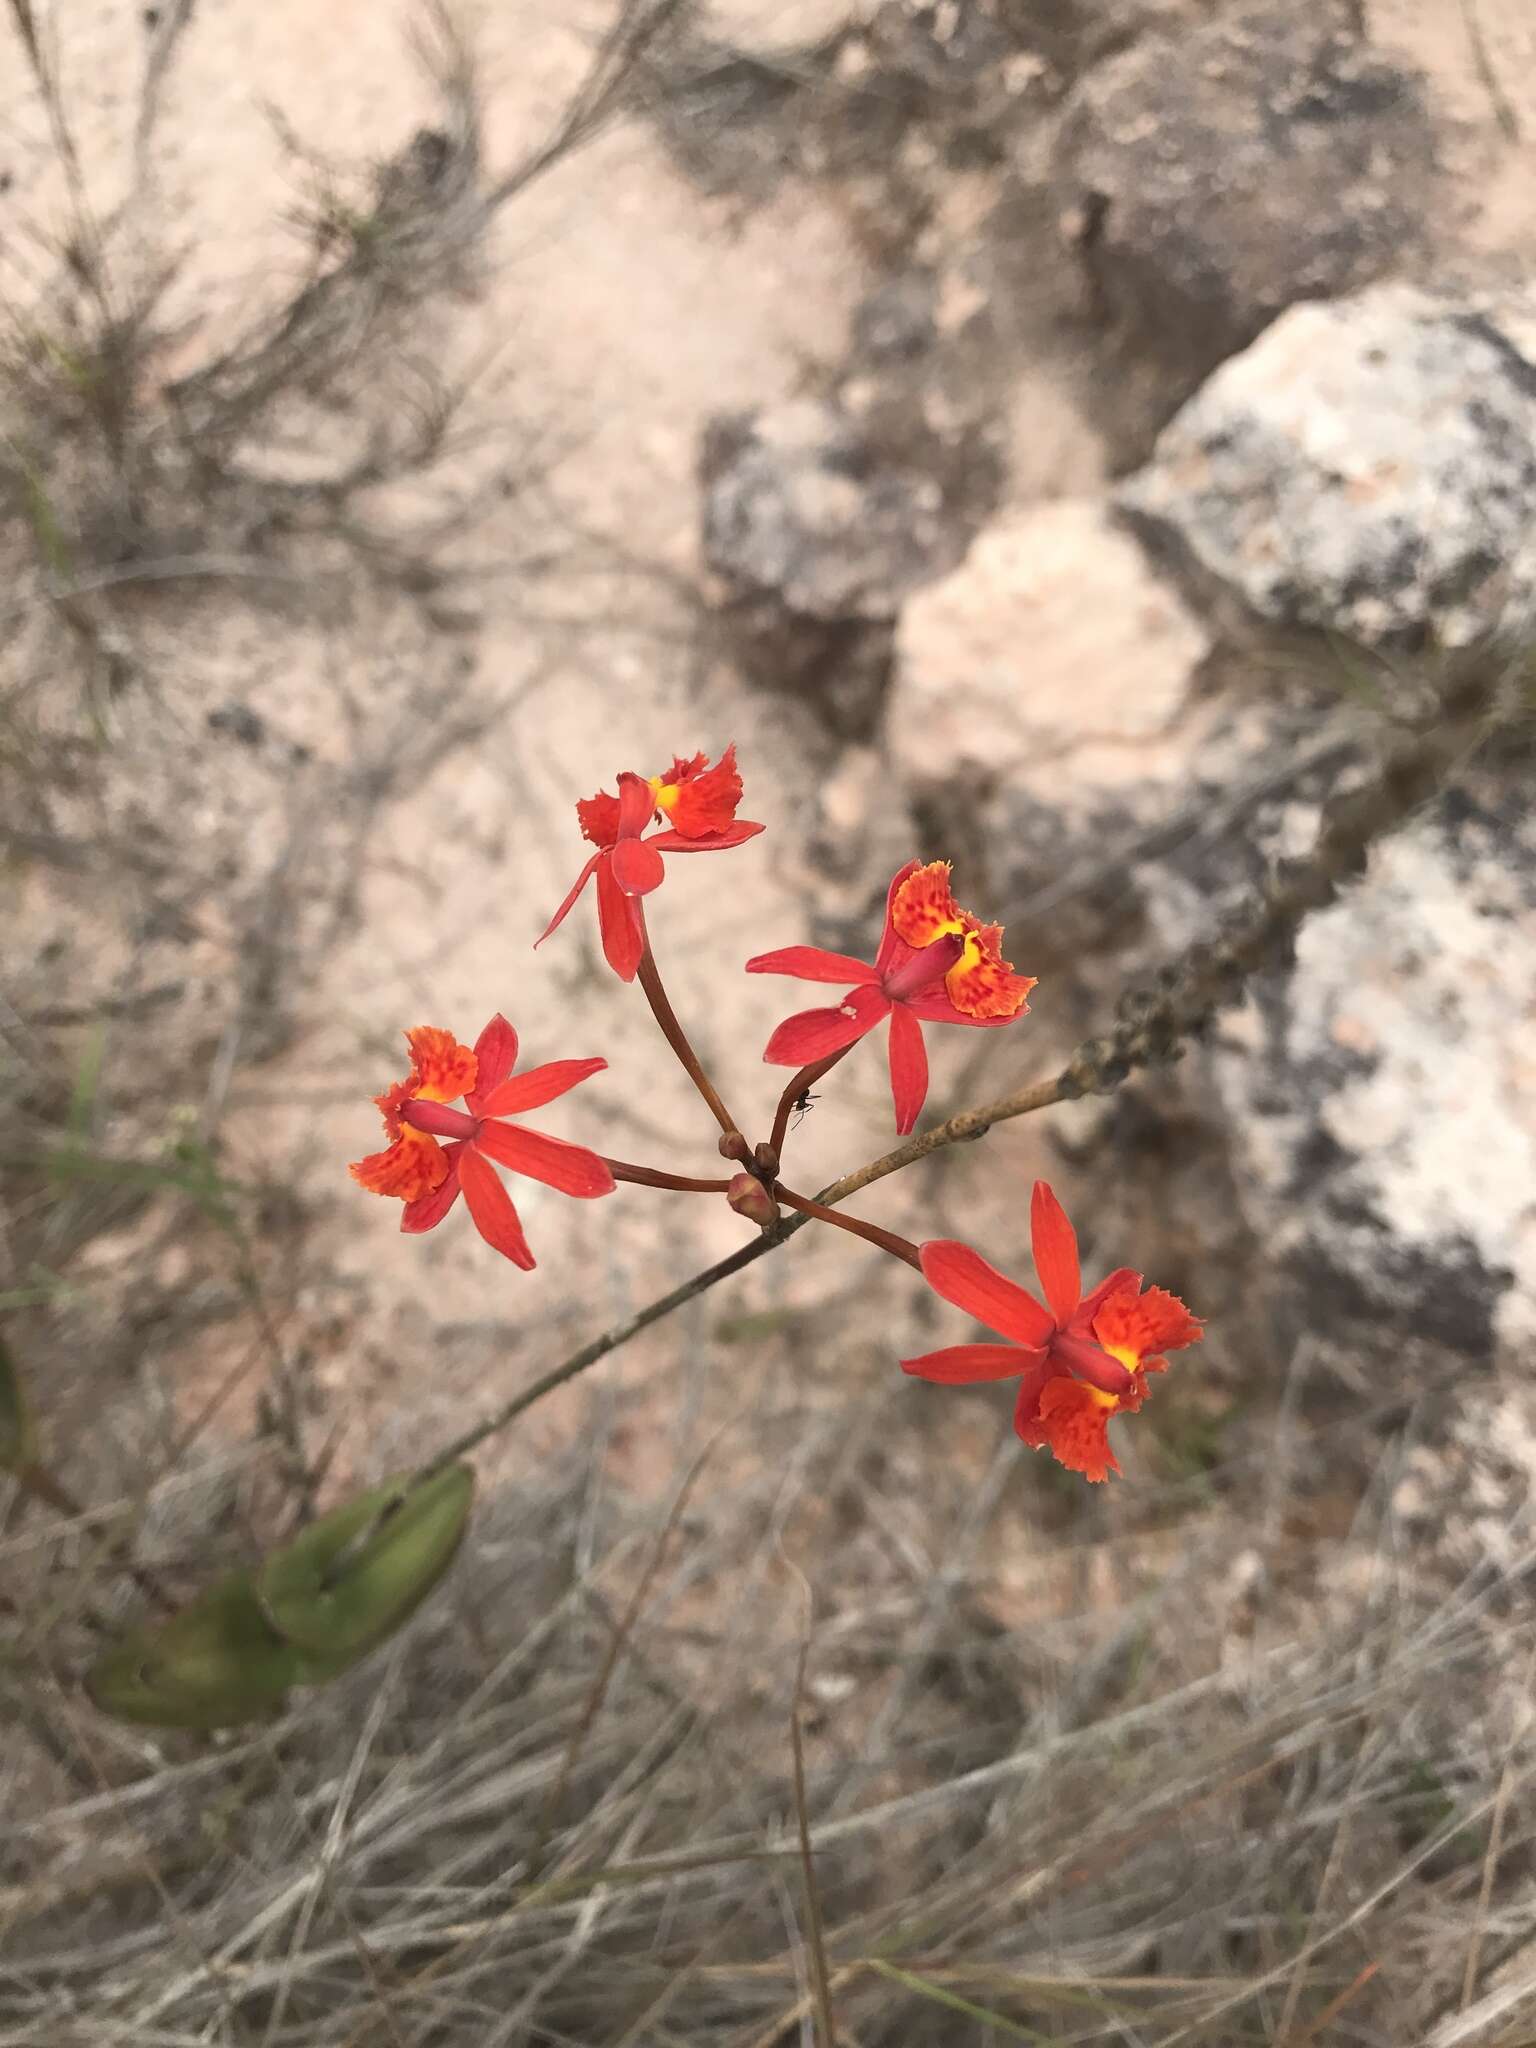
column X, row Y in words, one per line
column 826, row 2027
column 618, row 1642
column 1316, row 2031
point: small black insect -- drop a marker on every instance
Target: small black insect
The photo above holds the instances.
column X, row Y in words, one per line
column 802, row 1106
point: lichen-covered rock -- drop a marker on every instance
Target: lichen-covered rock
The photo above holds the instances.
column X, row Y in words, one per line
column 942, row 45
column 1366, row 466
column 816, row 536
column 1037, row 718
column 1379, row 1099
column 1213, row 178
column 1353, row 1153
column 781, row 28
column 1074, row 34
column 797, row 506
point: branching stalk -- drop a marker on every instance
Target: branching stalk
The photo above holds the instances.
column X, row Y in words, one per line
column 887, row 1240
column 799, row 1086
column 677, row 1037
column 652, row 1177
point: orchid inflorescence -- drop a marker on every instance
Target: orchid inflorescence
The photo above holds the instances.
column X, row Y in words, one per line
column 1079, row 1358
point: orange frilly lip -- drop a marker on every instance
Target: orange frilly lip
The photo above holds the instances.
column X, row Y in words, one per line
column 981, row 983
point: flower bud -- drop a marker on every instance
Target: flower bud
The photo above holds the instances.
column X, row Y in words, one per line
column 748, row 1197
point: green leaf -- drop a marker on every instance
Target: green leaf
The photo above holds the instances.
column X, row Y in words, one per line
column 353, row 1577
column 16, row 1438
column 214, row 1665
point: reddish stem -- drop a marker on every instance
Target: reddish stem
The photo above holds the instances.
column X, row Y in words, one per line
column 652, row 1177
column 798, row 1085
column 899, row 1247
column 676, row 1037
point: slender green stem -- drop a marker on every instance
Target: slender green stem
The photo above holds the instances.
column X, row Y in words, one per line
column 888, row 1241
column 677, row 1038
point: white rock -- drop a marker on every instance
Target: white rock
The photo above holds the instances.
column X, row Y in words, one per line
column 1052, row 638
column 1367, row 466
column 1383, row 1129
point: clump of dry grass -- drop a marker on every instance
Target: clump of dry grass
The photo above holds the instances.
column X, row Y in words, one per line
column 114, row 475
column 1209, row 1807
column 120, row 485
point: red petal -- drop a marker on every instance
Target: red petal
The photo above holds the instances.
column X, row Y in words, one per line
column 580, row 883
column 909, row 1068
column 964, row 1277
column 495, row 1057
column 968, row 1365
column 708, row 842
column 812, row 963
column 892, row 947
column 1054, row 1243
column 598, row 817
column 637, row 867
column 618, row 920
column 538, row 1086
column 491, row 1208
column 570, row 1168
column 637, row 805
column 1123, row 1280
column 813, row 1034
column 427, row 1211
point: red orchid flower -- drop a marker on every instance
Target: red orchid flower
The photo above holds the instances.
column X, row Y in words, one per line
column 1079, row 1361
column 429, row 1177
column 936, row 964
column 699, row 805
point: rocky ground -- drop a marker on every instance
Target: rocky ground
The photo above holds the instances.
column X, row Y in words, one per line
column 1072, row 439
